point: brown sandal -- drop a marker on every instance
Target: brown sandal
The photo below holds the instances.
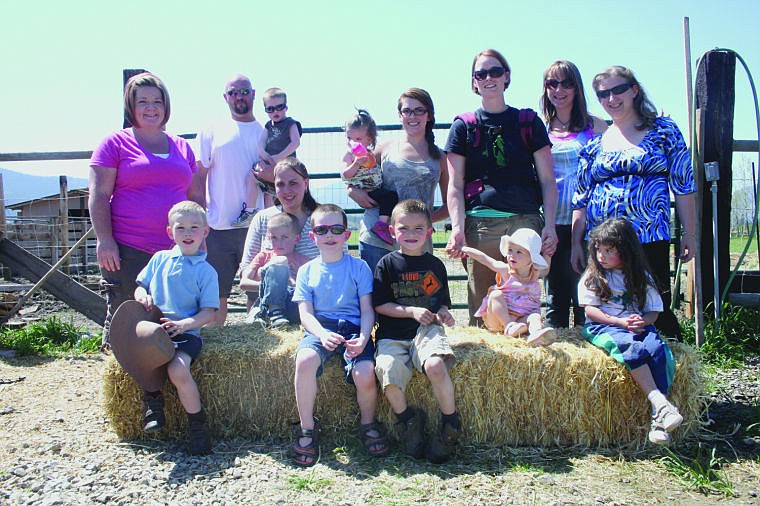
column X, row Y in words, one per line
column 376, row 446
column 307, row 455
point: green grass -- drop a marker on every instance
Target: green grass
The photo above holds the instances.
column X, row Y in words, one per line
column 308, row 482
column 731, row 339
column 737, row 244
column 49, row 337
column 702, row 473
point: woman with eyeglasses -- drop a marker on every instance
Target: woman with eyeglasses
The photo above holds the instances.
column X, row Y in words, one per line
column 411, row 165
column 136, row 175
column 501, row 175
column 291, row 182
column 628, row 172
column 563, row 104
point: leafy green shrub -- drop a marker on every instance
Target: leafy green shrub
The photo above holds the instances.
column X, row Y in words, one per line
column 736, row 335
column 49, row 337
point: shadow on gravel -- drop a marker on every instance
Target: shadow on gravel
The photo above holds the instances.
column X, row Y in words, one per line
column 27, row 361
column 346, row 454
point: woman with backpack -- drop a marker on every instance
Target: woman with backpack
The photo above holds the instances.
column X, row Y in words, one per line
column 500, row 175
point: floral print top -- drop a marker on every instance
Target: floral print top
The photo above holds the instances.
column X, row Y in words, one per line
column 635, row 183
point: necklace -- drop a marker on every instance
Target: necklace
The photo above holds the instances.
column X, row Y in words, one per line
column 563, row 124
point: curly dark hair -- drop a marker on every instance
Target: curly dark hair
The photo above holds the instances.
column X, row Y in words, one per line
column 619, row 233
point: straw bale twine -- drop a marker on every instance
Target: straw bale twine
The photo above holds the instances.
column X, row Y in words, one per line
column 570, row 393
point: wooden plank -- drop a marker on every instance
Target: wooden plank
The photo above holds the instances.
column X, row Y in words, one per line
column 62, row 287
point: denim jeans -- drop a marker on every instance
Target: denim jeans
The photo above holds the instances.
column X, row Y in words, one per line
column 562, row 285
column 372, row 254
column 275, row 291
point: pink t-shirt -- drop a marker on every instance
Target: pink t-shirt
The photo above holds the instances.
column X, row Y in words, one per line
column 146, row 187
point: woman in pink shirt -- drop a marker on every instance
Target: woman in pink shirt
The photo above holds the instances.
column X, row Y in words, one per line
column 136, row 175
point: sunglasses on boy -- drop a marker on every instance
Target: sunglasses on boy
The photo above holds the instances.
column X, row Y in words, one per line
column 617, row 90
column 279, row 107
column 323, row 229
column 554, row 84
column 234, row 92
column 493, row 72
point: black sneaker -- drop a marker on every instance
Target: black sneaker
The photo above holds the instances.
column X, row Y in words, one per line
column 153, row 412
column 442, row 445
column 412, row 434
column 277, row 319
column 200, row 437
column 258, row 315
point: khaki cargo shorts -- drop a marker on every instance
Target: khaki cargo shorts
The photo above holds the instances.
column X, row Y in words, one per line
column 395, row 357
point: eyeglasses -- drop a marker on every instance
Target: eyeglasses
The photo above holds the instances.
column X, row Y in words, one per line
column 493, row 72
column 234, row 92
column 617, row 90
column 279, row 107
column 323, row 229
column 554, row 84
column 417, row 111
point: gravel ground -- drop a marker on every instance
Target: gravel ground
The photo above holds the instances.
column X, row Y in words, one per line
column 56, row 448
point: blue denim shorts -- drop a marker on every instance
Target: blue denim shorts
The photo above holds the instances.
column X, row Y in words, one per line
column 349, row 331
column 188, row 343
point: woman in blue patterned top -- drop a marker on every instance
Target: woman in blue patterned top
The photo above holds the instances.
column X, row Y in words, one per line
column 629, row 172
column 570, row 127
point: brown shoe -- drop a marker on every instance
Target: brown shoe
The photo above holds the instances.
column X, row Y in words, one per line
column 412, row 434
column 442, row 445
column 200, row 436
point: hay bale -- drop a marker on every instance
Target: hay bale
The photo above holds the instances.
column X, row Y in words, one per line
column 570, row 393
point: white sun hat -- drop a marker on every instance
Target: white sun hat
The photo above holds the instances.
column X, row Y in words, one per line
column 529, row 240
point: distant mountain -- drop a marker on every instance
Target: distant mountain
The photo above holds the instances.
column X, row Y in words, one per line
column 20, row 187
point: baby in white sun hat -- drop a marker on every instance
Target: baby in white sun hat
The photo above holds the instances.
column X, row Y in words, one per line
column 513, row 304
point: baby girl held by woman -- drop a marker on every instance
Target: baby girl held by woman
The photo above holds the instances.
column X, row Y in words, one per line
column 513, row 304
column 362, row 170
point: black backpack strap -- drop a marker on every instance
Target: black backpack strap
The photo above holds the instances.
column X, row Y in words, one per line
column 525, row 122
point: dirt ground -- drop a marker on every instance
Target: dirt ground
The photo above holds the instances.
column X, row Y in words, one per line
column 56, row 447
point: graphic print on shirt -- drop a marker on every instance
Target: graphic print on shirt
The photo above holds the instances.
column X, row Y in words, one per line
column 417, row 288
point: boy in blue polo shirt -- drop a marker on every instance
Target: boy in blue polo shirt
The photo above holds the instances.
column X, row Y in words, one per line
column 184, row 286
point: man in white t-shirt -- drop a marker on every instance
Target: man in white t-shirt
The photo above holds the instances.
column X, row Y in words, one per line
column 228, row 150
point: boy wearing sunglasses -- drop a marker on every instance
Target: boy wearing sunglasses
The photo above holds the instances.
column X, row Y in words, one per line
column 334, row 295
column 411, row 297
column 283, row 136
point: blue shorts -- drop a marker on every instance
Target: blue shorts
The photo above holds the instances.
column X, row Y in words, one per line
column 349, row 331
column 188, row 343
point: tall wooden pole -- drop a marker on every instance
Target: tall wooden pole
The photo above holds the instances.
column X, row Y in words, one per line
column 715, row 99
column 63, row 211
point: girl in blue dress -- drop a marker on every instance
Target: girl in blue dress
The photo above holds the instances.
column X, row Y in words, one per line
column 622, row 303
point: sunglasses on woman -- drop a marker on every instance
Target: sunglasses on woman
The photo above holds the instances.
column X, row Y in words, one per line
column 554, row 84
column 333, row 229
column 617, row 90
column 279, row 107
column 493, row 73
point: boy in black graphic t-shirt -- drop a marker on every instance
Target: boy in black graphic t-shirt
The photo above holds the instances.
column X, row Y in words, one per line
column 411, row 298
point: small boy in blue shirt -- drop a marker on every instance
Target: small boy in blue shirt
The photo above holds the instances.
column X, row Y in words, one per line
column 184, row 286
column 334, row 295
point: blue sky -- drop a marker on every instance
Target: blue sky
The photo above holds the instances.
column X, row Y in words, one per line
column 62, row 61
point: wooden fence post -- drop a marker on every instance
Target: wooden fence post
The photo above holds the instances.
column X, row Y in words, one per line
column 63, row 208
column 715, row 99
